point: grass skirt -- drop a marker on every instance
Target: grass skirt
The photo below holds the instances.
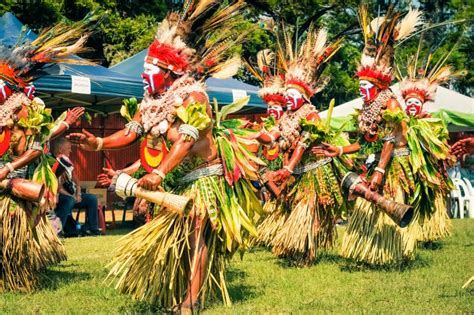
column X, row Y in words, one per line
column 19, row 257
column 273, row 220
column 153, row 262
column 51, row 250
column 438, row 225
column 315, row 201
column 371, row 236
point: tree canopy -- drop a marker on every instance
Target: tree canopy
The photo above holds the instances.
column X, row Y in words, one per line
column 129, row 26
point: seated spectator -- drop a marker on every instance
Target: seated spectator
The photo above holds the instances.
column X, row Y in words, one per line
column 69, row 192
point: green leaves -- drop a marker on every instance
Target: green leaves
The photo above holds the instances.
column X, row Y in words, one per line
column 129, row 108
column 195, row 115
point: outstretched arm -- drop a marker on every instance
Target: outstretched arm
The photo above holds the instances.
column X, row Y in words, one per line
column 23, row 160
column 71, row 117
column 87, row 141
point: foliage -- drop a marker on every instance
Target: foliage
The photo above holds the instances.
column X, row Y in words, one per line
column 129, row 28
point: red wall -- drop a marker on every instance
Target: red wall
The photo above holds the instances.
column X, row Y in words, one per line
column 89, row 164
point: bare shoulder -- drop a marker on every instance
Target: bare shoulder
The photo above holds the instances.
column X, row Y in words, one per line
column 196, row 97
column 393, row 105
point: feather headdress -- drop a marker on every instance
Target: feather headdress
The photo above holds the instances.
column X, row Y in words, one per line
column 270, row 75
column 19, row 64
column 305, row 63
column 380, row 35
column 422, row 80
column 199, row 39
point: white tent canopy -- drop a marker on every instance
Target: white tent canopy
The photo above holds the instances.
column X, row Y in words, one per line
column 445, row 99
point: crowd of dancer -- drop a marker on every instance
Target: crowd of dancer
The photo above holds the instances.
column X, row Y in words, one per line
column 224, row 185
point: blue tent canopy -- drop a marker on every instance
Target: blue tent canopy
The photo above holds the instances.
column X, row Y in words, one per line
column 225, row 91
column 107, row 88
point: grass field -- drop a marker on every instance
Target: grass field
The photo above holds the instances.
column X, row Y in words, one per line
column 263, row 284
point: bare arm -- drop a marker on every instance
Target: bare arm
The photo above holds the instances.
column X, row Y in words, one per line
column 267, row 137
column 71, row 117
column 122, row 138
column 388, row 146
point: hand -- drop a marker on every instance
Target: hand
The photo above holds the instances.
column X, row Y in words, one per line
column 326, row 149
column 150, row 181
column 4, row 171
column 105, row 179
column 424, row 115
column 281, row 175
column 78, row 198
column 85, row 140
column 73, row 115
column 462, row 147
column 376, row 181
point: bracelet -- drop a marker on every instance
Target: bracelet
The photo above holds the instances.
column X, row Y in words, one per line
column 380, row 170
column 159, row 173
column 341, row 150
column 100, row 143
column 303, row 145
column 272, row 137
column 10, row 167
column 286, row 167
column 65, row 124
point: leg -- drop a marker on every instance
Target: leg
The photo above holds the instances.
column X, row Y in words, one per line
column 64, row 207
column 89, row 202
column 199, row 262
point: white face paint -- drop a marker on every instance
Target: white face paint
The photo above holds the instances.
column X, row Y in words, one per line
column 366, row 89
column 294, row 99
column 153, row 78
column 414, row 106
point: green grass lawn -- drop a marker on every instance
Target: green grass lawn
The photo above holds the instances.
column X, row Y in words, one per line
column 260, row 283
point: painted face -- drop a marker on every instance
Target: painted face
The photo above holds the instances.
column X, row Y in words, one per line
column 154, row 79
column 30, row 91
column 368, row 90
column 5, row 92
column 414, row 106
column 294, row 99
column 275, row 111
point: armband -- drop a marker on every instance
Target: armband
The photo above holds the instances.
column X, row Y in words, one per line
column 136, row 127
column 286, row 167
column 341, row 150
column 389, row 138
column 100, row 143
column 65, row 124
column 303, row 145
column 159, row 173
column 10, row 167
column 380, row 170
column 189, row 130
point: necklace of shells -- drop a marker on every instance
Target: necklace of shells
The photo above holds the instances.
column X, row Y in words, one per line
column 290, row 125
column 158, row 114
column 370, row 115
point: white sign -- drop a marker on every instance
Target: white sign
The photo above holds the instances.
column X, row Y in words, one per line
column 238, row 94
column 80, row 85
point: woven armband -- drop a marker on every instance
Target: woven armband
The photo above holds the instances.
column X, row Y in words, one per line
column 136, row 127
column 189, row 130
column 389, row 138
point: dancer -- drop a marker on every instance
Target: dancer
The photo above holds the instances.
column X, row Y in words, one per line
column 427, row 139
column 25, row 123
column 178, row 260
column 269, row 72
column 314, row 198
column 372, row 236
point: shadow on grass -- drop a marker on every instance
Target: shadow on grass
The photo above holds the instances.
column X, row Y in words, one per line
column 238, row 292
column 322, row 257
column 407, row 265
column 54, row 279
column 431, row 246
